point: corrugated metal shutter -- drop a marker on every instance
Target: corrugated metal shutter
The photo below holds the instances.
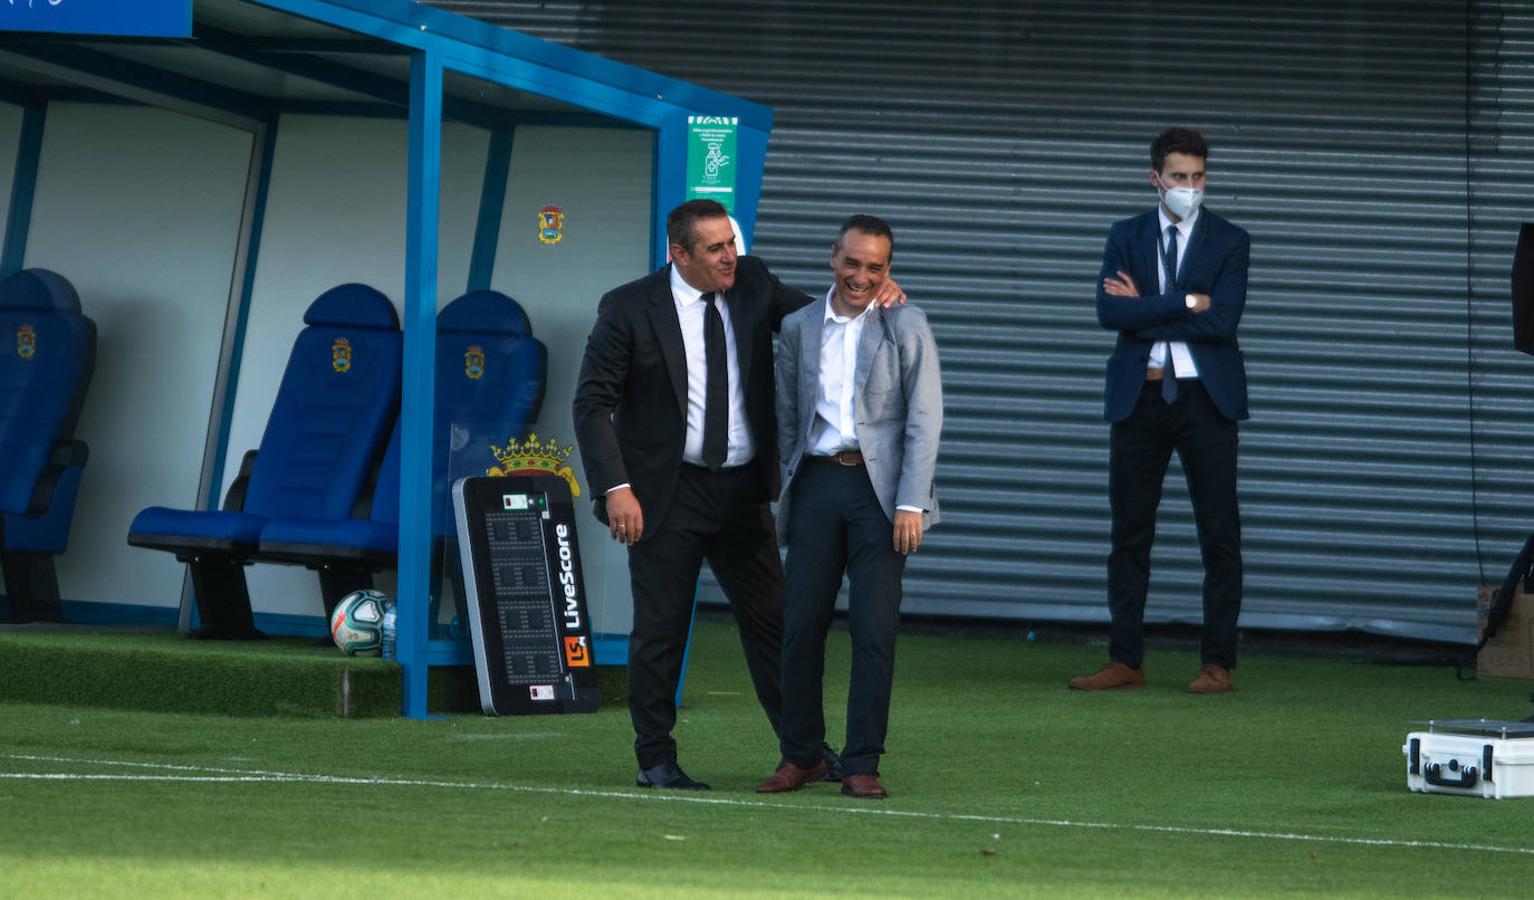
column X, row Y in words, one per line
column 1380, row 154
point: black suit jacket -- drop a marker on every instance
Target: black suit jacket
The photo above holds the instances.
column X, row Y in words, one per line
column 631, row 400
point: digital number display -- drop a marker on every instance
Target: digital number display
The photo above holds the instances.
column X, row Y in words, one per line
column 521, row 563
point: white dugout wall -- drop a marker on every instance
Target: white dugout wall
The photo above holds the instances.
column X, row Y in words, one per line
column 140, row 208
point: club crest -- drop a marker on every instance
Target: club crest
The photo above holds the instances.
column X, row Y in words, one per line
column 474, row 362
column 551, row 225
column 26, row 341
column 341, row 355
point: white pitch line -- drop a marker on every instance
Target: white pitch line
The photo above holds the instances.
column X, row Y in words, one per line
column 224, row 776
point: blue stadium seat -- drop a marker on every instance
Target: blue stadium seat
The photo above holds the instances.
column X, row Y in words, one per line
column 338, row 396
column 47, row 356
column 490, row 373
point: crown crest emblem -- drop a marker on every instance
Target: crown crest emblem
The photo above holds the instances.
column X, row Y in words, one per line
column 534, row 457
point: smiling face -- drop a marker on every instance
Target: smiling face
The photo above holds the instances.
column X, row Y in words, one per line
column 709, row 264
column 861, row 263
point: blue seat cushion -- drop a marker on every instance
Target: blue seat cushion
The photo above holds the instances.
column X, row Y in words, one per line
column 484, row 312
column 159, row 522
column 39, row 290
column 353, row 305
column 319, row 534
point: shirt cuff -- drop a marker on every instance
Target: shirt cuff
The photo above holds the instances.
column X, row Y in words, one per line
column 616, row 487
column 914, row 509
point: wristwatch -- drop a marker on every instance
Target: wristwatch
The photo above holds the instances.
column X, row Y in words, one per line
column 1190, row 300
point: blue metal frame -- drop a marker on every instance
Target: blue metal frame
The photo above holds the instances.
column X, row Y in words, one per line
column 18, row 221
column 492, row 203
column 159, row 18
column 439, row 42
column 417, row 422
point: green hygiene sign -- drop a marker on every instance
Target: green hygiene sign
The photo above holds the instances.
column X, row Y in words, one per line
column 711, row 159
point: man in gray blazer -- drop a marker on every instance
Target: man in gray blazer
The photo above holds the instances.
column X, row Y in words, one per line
column 860, row 407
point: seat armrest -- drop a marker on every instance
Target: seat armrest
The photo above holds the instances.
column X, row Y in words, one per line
column 234, row 500
column 65, row 455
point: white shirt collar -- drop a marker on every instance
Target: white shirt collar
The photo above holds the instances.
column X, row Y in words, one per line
column 831, row 315
column 684, row 292
column 1184, row 228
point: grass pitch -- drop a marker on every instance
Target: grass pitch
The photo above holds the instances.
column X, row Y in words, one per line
column 1003, row 783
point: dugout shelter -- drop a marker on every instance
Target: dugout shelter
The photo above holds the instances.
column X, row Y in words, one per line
column 202, row 170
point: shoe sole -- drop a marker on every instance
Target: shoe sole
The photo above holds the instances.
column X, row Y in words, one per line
column 764, row 788
column 662, row 787
column 1117, row 687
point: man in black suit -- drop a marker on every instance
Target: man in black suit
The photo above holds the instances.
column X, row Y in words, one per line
column 675, row 420
column 1173, row 286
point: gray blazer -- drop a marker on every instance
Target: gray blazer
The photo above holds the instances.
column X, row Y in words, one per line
column 898, row 404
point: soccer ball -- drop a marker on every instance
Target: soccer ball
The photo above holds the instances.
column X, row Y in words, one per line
column 357, row 623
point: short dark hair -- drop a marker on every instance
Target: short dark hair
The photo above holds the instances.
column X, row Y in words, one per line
column 681, row 222
column 870, row 225
column 1177, row 140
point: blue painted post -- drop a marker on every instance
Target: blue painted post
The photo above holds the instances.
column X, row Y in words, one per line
column 18, row 222
column 492, row 203
column 670, row 185
column 417, row 423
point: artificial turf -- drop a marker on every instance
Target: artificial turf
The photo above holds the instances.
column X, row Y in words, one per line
column 165, row 672
column 1002, row 782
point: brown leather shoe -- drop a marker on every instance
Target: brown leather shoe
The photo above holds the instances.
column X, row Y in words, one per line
column 1115, row 676
column 1212, row 679
column 790, row 777
column 864, row 787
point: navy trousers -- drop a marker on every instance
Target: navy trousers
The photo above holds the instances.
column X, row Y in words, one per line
column 1139, row 450
column 837, row 526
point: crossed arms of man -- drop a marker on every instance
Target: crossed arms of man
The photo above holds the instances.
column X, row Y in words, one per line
column 1166, row 317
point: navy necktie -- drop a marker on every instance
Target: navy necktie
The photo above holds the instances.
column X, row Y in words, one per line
column 1169, row 262
column 716, row 395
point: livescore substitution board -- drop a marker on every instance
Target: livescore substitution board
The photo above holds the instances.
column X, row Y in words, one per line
column 526, row 598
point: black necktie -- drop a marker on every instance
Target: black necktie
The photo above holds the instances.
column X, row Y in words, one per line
column 1169, row 261
column 716, row 396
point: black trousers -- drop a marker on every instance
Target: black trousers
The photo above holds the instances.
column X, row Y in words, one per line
column 1139, row 449
column 836, row 524
column 722, row 517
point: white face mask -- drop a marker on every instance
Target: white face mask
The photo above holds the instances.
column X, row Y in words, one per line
column 1182, row 201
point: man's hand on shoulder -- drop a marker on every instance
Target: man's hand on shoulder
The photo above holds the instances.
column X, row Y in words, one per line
column 889, row 294
column 625, row 520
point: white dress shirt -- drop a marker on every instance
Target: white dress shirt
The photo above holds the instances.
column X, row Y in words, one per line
column 690, row 312
column 1182, row 357
column 835, row 427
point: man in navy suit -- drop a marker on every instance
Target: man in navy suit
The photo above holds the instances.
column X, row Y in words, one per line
column 1173, row 285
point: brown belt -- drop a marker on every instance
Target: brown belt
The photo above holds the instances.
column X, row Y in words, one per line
column 844, row 457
